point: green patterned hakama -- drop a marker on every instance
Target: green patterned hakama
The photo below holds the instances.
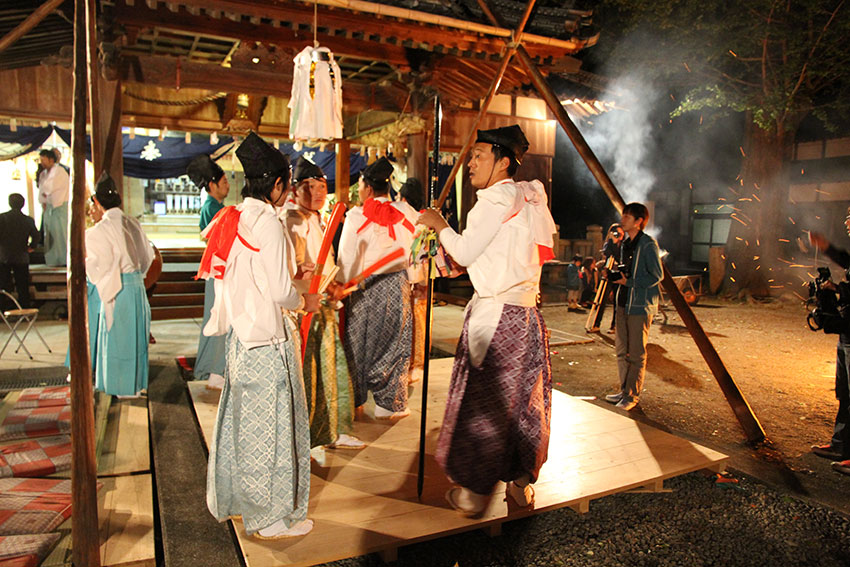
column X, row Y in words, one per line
column 327, row 382
column 259, row 465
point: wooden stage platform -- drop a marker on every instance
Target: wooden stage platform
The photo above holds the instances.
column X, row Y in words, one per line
column 365, row 501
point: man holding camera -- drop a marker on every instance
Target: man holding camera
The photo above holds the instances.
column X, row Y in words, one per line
column 638, row 277
column 838, row 449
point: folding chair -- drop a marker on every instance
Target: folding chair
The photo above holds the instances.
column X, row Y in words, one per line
column 14, row 318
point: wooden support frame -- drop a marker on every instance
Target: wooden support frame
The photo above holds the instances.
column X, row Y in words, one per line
column 29, row 23
column 86, row 550
column 741, row 408
column 343, row 171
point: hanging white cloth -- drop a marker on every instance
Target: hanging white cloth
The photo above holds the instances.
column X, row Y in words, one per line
column 315, row 107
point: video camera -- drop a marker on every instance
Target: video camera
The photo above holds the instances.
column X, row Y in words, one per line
column 617, row 272
column 829, row 304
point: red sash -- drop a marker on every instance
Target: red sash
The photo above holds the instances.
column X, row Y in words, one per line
column 220, row 241
column 384, row 214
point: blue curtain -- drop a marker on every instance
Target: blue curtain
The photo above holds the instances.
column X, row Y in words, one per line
column 148, row 157
column 23, row 140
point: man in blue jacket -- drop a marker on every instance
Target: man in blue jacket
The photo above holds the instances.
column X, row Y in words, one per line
column 637, row 302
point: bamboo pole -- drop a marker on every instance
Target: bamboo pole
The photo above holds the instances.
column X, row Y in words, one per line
column 29, row 23
column 343, row 170
column 491, row 94
column 84, row 524
column 741, row 408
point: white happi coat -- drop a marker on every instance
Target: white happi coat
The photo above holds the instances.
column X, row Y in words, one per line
column 359, row 250
column 116, row 245
column 256, row 284
column 499, row 248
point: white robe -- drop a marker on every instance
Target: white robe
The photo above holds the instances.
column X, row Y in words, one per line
column 499, row 248
column 115, row 245
column 53, row 186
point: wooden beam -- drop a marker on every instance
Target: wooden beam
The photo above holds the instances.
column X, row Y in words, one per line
column 343, row 170
column 162, row 71
column 84, row 524
column 94, row 88
column 29, row 23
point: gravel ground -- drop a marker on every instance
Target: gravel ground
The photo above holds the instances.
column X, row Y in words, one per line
column 792, row 514
column 699, row 523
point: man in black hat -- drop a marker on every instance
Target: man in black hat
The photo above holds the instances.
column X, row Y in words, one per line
column 208, row 175
column 496, row 425
column 378, row 322
column 259, row 465
column 326, row 374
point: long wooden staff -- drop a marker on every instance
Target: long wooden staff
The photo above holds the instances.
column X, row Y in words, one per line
column 432, row 189
column 324, row 250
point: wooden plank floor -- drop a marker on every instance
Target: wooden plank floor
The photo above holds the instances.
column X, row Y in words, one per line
column 365, row 501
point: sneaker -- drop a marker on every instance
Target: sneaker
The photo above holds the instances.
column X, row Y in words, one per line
column 827, row 452
column 626, row 404
column 843, row 467
column 614, row 398
column 385, row 414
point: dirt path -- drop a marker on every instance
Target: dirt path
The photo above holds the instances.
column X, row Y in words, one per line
column 785, row 371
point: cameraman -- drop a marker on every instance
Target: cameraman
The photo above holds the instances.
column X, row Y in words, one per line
column 838, row 449
column 637, row 302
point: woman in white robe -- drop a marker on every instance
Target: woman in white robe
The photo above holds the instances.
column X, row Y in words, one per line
column 118, row 254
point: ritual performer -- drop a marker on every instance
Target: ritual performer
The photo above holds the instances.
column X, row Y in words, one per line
column 208, row 175
column 378, row 323
column 259, row 463
column 118, row 254
column 410, row 198
column 496, row 425
column 330, row 396
column 53, row 186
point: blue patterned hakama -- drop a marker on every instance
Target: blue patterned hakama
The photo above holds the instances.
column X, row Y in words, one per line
column 210, row 359
column 259, row 465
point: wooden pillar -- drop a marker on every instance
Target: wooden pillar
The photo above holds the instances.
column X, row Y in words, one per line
column 343, row 170
column 84, row 524
column 109, row 124
column 30, row 191
column 417, row 159
column 94, row 88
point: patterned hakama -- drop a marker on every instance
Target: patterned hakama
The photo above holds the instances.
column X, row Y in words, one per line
column 122, row 351
column 327, row 382
column 55, row 221
column 259, row 464
column 210, row 358
column 496, row 425
column 378, row 339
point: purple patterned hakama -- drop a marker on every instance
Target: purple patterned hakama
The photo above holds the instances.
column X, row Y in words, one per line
column 496, row 425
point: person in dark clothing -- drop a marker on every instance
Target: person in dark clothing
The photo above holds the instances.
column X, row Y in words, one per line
column 838, row 449
column 18, row 235
column 610, row 249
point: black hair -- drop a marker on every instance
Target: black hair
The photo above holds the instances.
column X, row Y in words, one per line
column 378, row 187
column 16, row 201
column 615, row 226
column 47, row 153
column 588, row 263
column 413, row 193
column 108, row 199
column 219, row 173
column 578, row 258
column 261, row 187
column 638, row 211
column 500, row 152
